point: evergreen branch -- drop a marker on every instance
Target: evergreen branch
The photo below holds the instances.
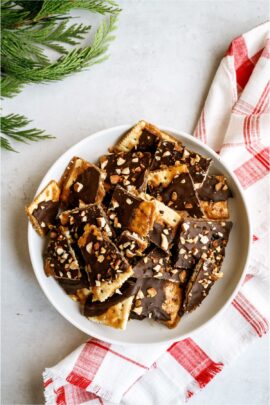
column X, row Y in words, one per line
column 74, row 61
column 10, row 86
column 12, row 126
column 50, row 7
column 6, row 145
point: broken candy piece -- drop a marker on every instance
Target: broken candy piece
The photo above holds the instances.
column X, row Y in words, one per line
column 60, row 259
column 131, row 212
column 131, row 244
column 213, row 196
column 106, row 266
column 197, row 237
column 43, row 210
column 205, row 274
column 143, row 137
column 158, row 299
column 75, row 220
column 174, row 187
column 126, row 169
column 81, row 184
column 115, row 310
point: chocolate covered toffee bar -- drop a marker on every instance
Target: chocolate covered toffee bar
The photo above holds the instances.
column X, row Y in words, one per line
column 140, row 235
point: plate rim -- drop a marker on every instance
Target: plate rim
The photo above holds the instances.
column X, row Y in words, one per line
column 177, row 133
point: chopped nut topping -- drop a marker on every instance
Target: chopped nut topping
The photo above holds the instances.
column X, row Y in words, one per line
column 138, row 310
column 174, row 196
column 157, row 267
column 120, row 161
column 59, row 251
column 115, row 178
column 140, row 294
column 218, row 186
column 167, row 153
column 204, row 239
column 151, row 292
column 89, row 247
column 164, row 242
column 78, row 187
column 184, row 226
column 129, row 201
column 126, row 170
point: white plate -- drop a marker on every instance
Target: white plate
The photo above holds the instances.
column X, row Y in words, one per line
column 148, row 331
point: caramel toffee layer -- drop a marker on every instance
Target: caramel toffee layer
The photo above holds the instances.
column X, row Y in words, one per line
column 97, row 308
column 215, row 189
column 46, row 213
column 126, row 169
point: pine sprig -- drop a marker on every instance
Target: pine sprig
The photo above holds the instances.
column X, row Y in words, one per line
column 28, row 28
column 12, row 126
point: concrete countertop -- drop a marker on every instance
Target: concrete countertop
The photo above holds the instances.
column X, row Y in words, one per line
column 160, row 68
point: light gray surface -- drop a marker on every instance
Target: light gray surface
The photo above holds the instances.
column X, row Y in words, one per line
column 160, row 68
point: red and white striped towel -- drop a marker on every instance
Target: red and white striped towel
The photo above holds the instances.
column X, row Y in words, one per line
column 235, row 121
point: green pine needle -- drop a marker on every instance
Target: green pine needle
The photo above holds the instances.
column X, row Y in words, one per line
column 13, row 126
column 28, row 28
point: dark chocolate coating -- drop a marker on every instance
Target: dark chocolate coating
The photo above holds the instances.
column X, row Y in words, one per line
column 75, row 220
column 208, row 192
column 112, row 263
column 201, row 237
column 202, row 280
column 156, row 264
column 151, row 305
column 167, row 154
column 59, row 257
column 46, row 213
column 148, row 142
column 136, row 163
column 198, row 170
column 72, row 286
column 124, row 210
column 97, row 308
column 90, row 179
column 180, row 195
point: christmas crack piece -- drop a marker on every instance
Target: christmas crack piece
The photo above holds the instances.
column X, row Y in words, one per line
column 143, row 137
column 131, row 244
column 128, row 211
column 43, row 210
column 142, row 235
column 115, row 310
column 174, row 187
column 213, row 196
column 197, row 237
column 170, row 154
column 160, row 300
column 126, row 169
column 81, row 184
column 164, row 227
column 75, row 220
column 205, row 274
column 60, row 259
column 105, row 265
column 157, row 264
